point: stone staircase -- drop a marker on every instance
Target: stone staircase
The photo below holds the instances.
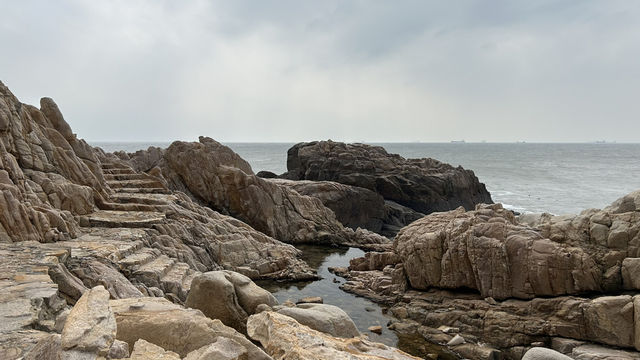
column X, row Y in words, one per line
column 139, row 201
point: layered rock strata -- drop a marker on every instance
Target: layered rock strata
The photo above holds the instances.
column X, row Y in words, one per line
column 285, row 338
column 218, row 178
column 424, row 185
column 566, row 282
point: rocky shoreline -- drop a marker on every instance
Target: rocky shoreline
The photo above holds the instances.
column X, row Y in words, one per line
column 153, row 254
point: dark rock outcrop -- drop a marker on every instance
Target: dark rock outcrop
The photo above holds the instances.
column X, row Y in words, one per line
column 424, row 185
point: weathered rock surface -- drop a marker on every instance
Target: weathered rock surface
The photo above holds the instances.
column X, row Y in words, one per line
column 155, row 320
column 90, row 326
column 285, row 338
column 489, row 251
column 47, row 175
column 29, row 299
column 353, row 206
column 227, row 296
column 527, row 274
column 424, row 185
column 222, row 349
column 328, row 319
column 144, row 350
column 213, row 177
column 538, row 353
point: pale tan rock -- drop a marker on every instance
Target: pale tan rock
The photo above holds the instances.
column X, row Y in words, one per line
column 631, row 273
column 144, row 350
column 285, row 338
column 118, row 350
column 488, row 250
column 323, row 317
column 156, row 320
column 275, row 210
column 222, row 349
column 595, row 352
column 90, row 326
column 539, row 353
column 227, row 296
column 636, row 321
column 610, row 320
column 425, row 185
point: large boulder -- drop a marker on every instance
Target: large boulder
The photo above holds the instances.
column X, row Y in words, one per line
column 90, row 326
column 285, row 338
column 222, row 349
column 424, row 185
column 487, row 250
column 214, row 177
column 322, row 317
column 228, row 296
column 354, row 206
column 156, row 319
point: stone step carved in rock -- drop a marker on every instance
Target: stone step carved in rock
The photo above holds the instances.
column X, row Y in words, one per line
column 122, row 219
column 126, row 176
column 135, row 190
column 141, row 198
column 144, row 183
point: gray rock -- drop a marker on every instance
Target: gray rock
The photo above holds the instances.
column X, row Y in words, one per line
column 228, row 296
column 539, row 353
column 456, row 340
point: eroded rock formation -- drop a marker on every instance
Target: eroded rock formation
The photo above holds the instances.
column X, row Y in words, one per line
column 218, row 178
column 536, row 279
column 285, row 338
column 424, row 185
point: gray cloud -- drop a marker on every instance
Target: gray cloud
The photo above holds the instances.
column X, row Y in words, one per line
column 347, row 70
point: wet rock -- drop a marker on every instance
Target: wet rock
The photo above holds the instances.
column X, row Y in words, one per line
column 322, row 317
column 284, row 337
column 228, row 296
column 377, row 329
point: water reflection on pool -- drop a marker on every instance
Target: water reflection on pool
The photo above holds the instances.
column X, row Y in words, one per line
column 365, row 313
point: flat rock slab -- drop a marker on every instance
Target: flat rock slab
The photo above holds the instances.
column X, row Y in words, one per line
column 140, row 198
column 125, row 219
column 28, row 297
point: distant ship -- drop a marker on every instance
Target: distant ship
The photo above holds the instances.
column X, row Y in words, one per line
column 458, row 141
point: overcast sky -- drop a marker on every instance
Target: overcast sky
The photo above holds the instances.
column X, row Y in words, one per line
column 346, row 70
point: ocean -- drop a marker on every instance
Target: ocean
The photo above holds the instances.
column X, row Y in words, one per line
column 525, row 177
